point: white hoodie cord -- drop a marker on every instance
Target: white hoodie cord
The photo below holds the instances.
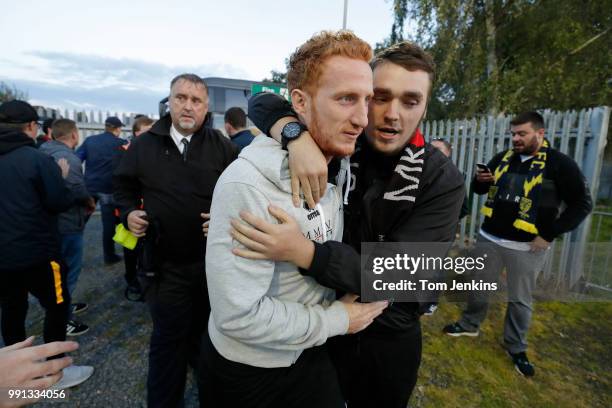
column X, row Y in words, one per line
column 347, row 184
column 323, row 230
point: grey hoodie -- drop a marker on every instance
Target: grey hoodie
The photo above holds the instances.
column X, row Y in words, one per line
column 266, row 313
column 73, row 220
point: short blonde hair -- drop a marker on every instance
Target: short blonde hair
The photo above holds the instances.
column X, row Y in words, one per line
column 62, row 128
column 306, row 63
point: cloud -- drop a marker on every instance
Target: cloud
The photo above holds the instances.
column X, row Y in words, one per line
column 108, row 98
column 79, row 80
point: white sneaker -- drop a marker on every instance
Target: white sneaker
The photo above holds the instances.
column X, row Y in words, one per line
column 430, row 309
column 73, row 375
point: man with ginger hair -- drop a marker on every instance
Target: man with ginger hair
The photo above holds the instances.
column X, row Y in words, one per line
column 402, row 190
column 269, row 324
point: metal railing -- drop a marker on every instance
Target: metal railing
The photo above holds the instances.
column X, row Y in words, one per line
column 598, row 266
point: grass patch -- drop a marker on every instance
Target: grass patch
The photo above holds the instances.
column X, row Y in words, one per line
column 569, row 346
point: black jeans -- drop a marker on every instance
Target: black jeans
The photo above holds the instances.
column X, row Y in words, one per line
column 179, row 306
column 311, row 382
column 47, row 282
column 377, row 368
column 130, row 257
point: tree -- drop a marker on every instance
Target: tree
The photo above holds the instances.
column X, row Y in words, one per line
column 512, row 55
column 400, row 10
column 279, row 77
column 9, row 93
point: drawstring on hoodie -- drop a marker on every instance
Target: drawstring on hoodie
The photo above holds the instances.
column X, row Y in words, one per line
column 323, row 230
column 347, row 184
column 347, row 189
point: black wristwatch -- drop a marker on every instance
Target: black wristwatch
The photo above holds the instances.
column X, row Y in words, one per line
column 291, row 131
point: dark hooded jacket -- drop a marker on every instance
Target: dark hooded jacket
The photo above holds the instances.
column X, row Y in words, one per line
column 432, row 219
column 32, row 194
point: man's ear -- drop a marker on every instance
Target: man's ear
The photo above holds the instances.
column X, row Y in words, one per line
column 299, row 100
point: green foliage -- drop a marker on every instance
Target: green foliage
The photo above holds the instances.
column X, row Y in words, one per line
column 278, row 77
column 9, row 93
column 400, row 9
column 545, row 53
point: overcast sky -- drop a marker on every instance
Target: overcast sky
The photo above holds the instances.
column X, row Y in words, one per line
column 121, row 55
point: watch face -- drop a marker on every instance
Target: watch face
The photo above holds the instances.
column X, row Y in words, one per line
column 292, row 130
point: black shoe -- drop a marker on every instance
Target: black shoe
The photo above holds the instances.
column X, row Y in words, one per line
column 455, row 330
column 79, row 307
column 74, row 328
column 112, row 260
column 522, row 364
column 133, row 293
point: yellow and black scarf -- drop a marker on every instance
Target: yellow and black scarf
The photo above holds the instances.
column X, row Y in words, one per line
column 528, row 205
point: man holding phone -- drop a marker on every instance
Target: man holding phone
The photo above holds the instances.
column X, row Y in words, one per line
column 526, row 186
column 483, row 168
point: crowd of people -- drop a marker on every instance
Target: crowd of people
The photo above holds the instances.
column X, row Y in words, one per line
column 246, row 249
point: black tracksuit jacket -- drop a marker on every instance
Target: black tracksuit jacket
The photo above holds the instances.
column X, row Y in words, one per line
column 562, row 182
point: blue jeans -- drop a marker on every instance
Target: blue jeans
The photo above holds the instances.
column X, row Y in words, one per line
column 72, row 253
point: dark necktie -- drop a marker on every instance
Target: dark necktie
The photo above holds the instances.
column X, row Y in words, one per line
column 185, row 143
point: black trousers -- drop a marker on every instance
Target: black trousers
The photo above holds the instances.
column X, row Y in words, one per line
column 179, row 306
column 130, row 257
column 377, row 368
column 311, row 382
column 47, row 282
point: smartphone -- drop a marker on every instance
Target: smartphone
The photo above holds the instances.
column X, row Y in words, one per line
column 483, row 167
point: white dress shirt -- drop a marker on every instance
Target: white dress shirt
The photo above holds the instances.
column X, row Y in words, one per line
column 177, row 137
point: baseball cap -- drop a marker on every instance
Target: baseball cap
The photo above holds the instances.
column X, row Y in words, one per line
column 113, row 121
column 17, row 112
